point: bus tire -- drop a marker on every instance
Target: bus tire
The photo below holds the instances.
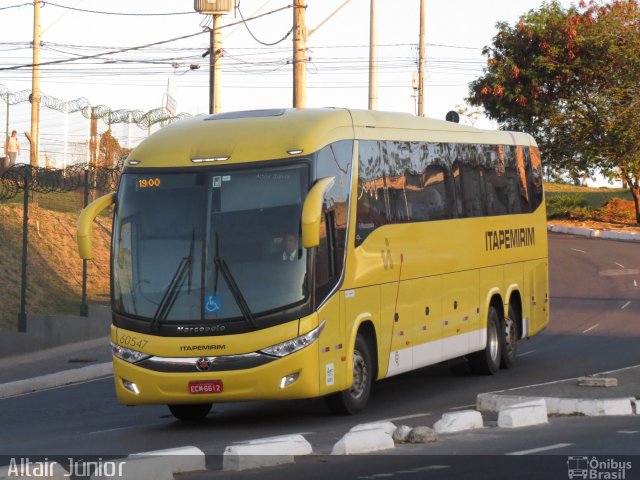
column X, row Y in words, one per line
column 190, row 412
column 510, row 346
column 487, row 361
column 355, row 399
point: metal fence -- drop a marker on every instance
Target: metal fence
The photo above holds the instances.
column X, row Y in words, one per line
column 40, row 271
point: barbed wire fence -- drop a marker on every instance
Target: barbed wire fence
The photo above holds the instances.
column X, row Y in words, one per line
column 48, row 261
column 40, row 271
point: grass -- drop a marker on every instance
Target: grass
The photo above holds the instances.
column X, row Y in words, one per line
column 595, row 197
column 54, row 268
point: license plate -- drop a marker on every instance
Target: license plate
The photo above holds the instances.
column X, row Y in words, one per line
column 207, row 386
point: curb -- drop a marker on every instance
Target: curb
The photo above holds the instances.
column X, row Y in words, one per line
column 264, row 452
column 593, row 233
column 494, row 402
column 58, row 379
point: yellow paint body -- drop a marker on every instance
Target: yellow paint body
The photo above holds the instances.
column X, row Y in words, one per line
column 439, row 277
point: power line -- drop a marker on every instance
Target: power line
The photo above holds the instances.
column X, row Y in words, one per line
column 115, row 13
column 128, row 49
column 15, row 6
column 255, row 38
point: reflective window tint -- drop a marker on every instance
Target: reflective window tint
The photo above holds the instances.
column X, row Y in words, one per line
column 333, row 161
column 418, row 181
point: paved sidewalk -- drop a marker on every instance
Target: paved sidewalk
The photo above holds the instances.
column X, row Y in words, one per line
column 55, row 367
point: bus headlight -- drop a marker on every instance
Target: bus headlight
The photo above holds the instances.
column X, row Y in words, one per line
column 126, row 354
column 290, row 346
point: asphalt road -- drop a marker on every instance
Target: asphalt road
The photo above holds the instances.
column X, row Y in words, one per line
column 595, row 327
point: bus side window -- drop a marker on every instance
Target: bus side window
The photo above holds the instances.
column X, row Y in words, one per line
column 536, row 176
column 333, row 161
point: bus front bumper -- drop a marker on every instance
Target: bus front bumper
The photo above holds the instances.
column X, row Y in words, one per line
column 289, row 377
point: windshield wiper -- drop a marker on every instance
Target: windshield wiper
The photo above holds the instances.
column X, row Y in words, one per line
column 235, row 290
column 171, row 294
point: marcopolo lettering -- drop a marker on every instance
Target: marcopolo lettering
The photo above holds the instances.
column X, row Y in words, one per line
column 196, row 330
column 509, row 238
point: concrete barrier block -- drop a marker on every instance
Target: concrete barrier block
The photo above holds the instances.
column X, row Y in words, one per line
column 363, row 441
column 265, row 452
column 459, row 421
column 523, row 414
column 159, row 464
column 388, row 427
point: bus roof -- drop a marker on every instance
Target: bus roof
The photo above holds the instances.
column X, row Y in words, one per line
column 280, row 133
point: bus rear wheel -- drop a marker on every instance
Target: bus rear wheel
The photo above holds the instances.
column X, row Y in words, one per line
column 487, row 361
column 190, row 412
column 510, row 348
column 355, row 399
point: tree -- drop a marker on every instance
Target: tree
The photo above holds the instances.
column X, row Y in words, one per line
column 109, row 150
column 571, row 78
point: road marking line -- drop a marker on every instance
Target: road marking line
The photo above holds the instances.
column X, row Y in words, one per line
column 117, row 429
column 525, row 353
column 629, row 432
column 635, row 283
column 621, row 266
column 576, row 250
column 590, row 328
column 625, row 305
column 406, row 417
column 541, row 449
column 404, row 472
column 461, row 407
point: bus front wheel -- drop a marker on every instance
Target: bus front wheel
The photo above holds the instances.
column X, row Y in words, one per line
column 355, row 399
column 487, row 361
column 195, row 411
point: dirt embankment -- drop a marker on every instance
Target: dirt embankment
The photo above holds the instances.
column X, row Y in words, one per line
column 54, row 270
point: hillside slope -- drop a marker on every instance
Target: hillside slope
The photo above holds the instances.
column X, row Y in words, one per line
column 54, row 268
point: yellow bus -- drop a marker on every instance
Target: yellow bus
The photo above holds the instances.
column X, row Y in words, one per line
column 284, row 254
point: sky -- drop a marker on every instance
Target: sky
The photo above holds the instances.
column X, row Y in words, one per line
column 253, row 75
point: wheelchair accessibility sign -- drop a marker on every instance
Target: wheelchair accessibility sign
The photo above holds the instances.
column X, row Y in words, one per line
column 213, row 303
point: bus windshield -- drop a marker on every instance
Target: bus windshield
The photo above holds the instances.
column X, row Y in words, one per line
column 210, row 245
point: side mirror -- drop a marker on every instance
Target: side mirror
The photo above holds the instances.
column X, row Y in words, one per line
column 312, row 212
column 85, row 222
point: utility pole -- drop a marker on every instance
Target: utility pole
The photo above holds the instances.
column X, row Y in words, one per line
column 421, row 61
column 373, row 58
column 299, row 55
column 215, row 44
column 35, row 85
